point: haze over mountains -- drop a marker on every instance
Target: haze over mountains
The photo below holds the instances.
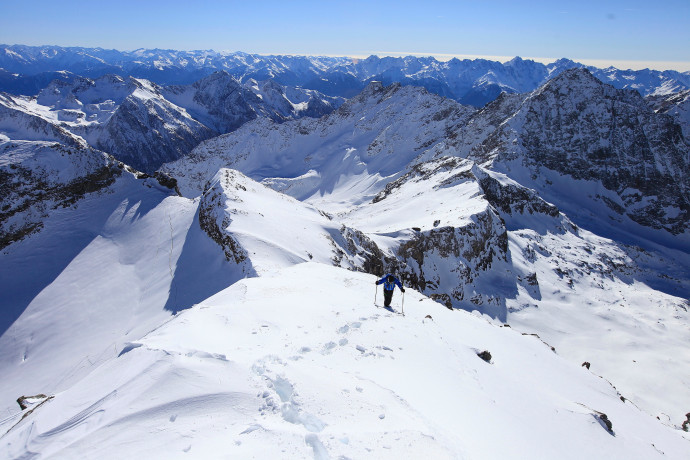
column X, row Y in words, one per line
column 190, row 239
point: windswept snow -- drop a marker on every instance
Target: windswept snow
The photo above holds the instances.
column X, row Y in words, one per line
column 336, row 378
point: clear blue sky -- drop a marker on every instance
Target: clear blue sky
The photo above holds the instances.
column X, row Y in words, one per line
column 651, row 33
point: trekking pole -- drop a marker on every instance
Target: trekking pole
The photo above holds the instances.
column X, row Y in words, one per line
column 376, row 291
column 403, row 304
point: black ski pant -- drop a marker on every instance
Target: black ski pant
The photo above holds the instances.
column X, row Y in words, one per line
column 387, row 297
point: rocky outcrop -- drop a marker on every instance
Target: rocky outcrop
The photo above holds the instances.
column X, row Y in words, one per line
column 363, row 253
column 215, row 221
column 510, row 198
column 577, row 126
column 39, row 177
column 459, row 262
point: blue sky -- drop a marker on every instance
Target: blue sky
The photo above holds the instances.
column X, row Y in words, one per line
column 633, row 34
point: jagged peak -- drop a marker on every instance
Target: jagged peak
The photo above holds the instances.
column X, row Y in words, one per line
column 221, row 76
column 577, row 74
column 517, row 60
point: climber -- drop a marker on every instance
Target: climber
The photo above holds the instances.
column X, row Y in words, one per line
column 389, row 281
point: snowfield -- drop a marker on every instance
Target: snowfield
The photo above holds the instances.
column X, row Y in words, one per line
column 300, row 364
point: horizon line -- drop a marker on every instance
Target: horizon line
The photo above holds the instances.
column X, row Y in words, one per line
column 620, row 64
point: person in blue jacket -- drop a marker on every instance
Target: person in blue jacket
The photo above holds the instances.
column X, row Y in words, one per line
column 389, row 282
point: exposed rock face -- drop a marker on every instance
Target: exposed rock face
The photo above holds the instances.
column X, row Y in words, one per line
column 37, row 177
column 579, row 127
column 214, row 221
column 457, row 262
column 364, row 252
column 676, row 105
column 147, row 132
column 611, row 136
column 510, row 198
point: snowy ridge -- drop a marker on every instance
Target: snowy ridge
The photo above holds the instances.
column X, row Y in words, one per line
column 37, row 177
column 247, row 219
column 333, row 379
column 455, row 229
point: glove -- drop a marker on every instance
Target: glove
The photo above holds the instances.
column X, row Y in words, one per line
column 403, row 290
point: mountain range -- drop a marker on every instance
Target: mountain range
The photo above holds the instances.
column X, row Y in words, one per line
column 470, row 81
column 220, row 301
column 146, row 125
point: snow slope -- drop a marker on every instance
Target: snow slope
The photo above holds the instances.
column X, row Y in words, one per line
column 372, row 136
column 111, row 266
column 300, row 364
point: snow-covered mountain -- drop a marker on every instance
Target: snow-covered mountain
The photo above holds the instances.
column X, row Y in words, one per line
column 437, row 192
column 474, row 82
column 631, row 163
column 223, row 104
column 145, row 125
column 225, row 307
column 374, row 134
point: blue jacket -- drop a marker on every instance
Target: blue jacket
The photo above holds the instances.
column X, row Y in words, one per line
column 389, row 286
